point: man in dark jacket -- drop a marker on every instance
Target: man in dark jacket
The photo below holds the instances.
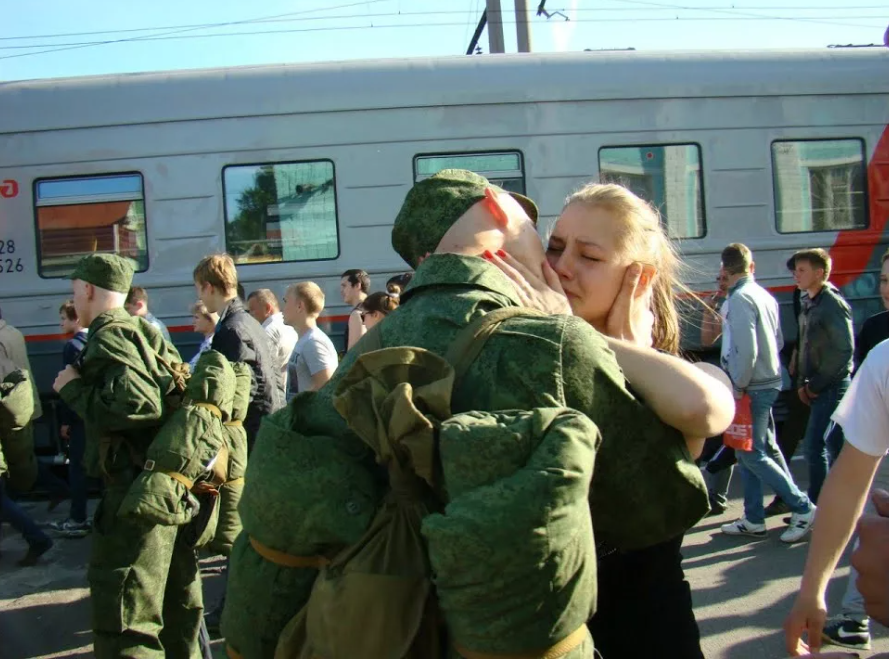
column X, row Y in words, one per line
column 239, row 336
column 823, row 359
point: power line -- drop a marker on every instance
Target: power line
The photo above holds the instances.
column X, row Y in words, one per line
column 278, row 19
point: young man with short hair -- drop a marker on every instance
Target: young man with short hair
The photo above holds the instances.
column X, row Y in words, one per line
column 823, row 359
column 752, row 340
column 314, row 357
column 263, row 305
column 137, row 305
column 354, row 287
column 238, row 336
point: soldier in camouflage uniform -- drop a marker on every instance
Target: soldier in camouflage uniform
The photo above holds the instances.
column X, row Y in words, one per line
column 144, row 584
column 447, row 224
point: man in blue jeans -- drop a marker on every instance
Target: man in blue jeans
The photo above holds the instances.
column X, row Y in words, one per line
column 823, row 360
column 751, row 342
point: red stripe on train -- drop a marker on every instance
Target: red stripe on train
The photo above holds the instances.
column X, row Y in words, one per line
column 174, row 329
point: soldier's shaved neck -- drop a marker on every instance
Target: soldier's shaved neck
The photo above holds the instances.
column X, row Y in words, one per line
column 90, row 301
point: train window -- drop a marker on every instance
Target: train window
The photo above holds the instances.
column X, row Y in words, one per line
column 505, row 169
column 280, row 212
column 819, row 185
column 88, row 214
column 668, row 177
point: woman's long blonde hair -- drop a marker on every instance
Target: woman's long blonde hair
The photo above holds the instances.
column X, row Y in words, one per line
column 641, row 237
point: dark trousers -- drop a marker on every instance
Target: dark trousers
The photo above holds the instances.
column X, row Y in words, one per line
column 77, row 479
column 644, row 592
column 12, row 514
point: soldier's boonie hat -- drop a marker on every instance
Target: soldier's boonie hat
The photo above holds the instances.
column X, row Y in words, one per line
column 434, row 204
column 108, row 271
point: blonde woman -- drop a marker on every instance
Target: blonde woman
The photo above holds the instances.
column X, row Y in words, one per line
column 204, row 323
column 612, row 260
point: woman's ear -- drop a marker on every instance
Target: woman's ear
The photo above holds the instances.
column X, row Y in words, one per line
column 646, row 280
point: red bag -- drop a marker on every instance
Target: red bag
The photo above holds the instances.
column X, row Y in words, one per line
column 739, row 435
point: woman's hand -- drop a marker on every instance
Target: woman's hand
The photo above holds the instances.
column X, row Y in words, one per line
column 631, row 318
column 544, row 294
column 806, row 617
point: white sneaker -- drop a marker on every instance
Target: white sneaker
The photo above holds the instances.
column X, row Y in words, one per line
column 744, row 527
column 800, row 525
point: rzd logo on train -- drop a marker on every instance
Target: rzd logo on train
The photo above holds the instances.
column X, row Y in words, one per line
column 9, row 189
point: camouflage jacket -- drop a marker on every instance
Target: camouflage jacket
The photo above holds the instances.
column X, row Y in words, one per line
column 121, row 389
column 533, row 362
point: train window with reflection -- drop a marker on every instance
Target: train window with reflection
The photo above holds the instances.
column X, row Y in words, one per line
column 280, row 212
column 820, row 185
column 668, row 177
column 84, row 215
column 504, row 168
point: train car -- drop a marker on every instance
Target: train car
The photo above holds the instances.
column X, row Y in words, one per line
column 298, row 170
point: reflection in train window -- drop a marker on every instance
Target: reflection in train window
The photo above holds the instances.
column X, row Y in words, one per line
column 86, row 215
column 505, row 169
column 819, row 185
column 280, row 212
column 667, row 176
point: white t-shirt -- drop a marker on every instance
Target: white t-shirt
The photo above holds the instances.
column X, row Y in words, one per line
column 283, row 339
column 863, row 413
column 313, row 353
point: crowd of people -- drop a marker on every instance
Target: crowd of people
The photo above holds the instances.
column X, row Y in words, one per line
column 603, row 339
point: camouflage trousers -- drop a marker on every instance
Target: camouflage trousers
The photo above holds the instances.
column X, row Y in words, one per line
column 145, row 586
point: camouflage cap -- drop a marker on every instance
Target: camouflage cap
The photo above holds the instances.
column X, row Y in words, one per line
column 108, row 271
column 434, row 204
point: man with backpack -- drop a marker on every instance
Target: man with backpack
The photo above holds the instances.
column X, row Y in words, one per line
column 645, row 489
column 144, row 584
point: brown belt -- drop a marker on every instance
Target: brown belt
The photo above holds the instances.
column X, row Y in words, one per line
column 560, row 649
column 287, row 560
column 211, row 408
column 237, row 423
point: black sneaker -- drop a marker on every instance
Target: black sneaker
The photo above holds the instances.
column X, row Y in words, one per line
column 34, row 553
column 777, row 507
column 716, row 507
column 847, row 633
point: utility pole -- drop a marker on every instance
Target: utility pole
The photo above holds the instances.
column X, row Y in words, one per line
column 522, row 26
column 495, row 27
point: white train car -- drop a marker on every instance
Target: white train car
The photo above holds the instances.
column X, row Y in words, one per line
column 299, row 170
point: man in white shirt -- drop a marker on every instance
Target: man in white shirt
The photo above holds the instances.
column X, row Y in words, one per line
column 314, row 357
column 263, row 305
column 863, row 415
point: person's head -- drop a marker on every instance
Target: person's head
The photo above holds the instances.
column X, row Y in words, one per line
column 737, row 262
column 100, row 283
column 136, row 303
column 216, row 281
column 203, row 321
column 603, row 229
column 398, row 283
column 68, row 320
column 376, row 307
column 457, row 211
column 811, row 268
column 884, row 280
column 262, row 303
column 354, row 285
column 303, row 301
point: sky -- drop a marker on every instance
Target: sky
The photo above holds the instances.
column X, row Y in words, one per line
column 50, row 41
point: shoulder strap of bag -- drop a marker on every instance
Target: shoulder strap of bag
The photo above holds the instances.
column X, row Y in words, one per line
column 469, row 342
column 178, row 376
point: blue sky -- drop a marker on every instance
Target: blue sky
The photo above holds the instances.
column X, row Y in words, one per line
column 323, row 30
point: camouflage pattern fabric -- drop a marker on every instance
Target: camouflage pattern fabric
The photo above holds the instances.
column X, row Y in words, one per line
column 189, row 441
column 229, row 525
column 144, row 585
column 16, row 433
column 108, row 271
column 643, row 491
column 433, row 206
column 513, row 577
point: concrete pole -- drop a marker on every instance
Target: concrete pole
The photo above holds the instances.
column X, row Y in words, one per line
column 522, row 26
column 495, row 27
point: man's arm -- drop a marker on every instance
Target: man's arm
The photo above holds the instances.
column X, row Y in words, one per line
column 126, row 398
column 744, row 349
column 838, row 327
column 321, row 360
column 356, row 329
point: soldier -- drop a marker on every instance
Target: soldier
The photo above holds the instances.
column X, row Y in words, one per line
column 144, row 583
column 452, row 222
